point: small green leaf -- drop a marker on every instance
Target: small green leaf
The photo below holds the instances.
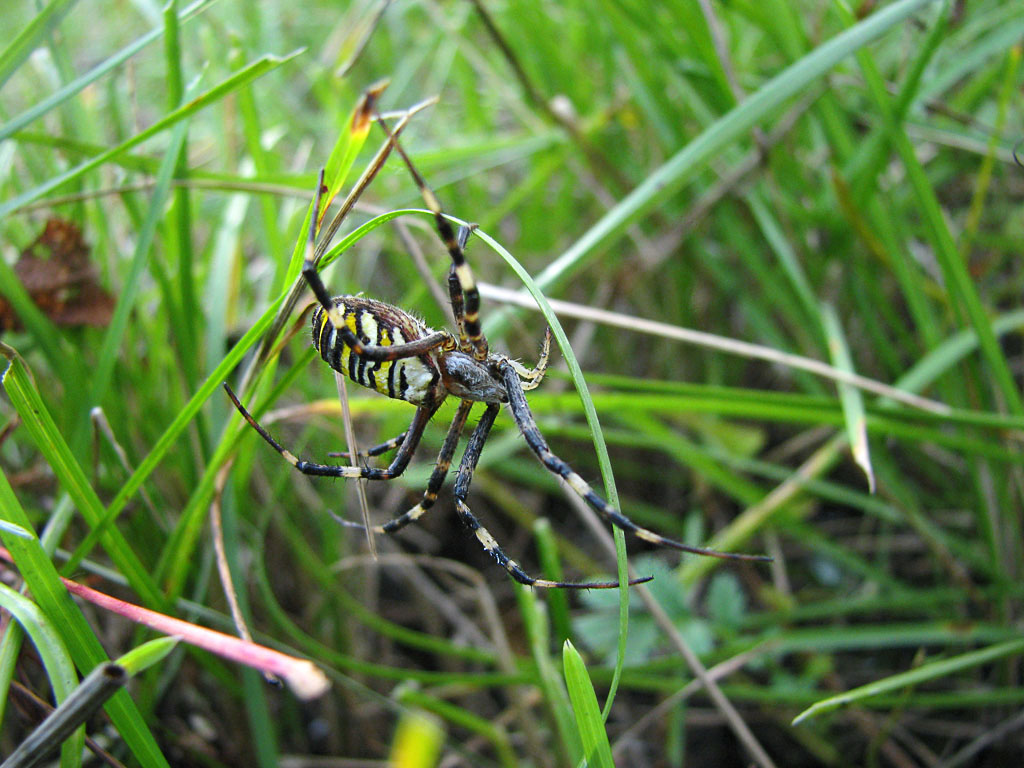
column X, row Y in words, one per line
column 726, row 602
column 418, row 741
column 146, row 655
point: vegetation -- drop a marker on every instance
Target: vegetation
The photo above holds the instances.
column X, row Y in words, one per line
column 783, row 241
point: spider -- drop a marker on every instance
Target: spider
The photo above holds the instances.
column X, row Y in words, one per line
column 390, row 351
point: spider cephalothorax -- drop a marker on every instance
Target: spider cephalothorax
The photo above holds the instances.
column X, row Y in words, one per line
column 391, row 352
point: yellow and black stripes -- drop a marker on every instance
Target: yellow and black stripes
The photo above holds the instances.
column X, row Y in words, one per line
column 380, row 347
column 528, row 426
column 395, row 469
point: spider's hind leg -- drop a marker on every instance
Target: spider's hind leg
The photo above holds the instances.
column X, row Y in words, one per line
column 444, row 460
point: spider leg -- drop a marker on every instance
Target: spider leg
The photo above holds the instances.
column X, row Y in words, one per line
column 444, row 460
column 458, row 302
column 455, row 295
column 487, row 541
column 396, row 468
column 463, row 273
column 528, row 426
column 377, row 450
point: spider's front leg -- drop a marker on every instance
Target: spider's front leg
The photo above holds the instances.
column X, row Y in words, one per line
column 487, row 541
column 395, row 469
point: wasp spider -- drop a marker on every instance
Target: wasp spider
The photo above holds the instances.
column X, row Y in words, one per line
column 388, row 350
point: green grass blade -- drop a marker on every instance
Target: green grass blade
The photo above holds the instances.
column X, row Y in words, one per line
column 76, row 86
column 952, row 351
column 925, row 673
column 958, row 280
column 36, row 417
column 600, row 447
column 535, row 622
column 60, row 670
column 850, row 397
column 589, row 722
column 351, row 140
column 258, row 68
column 55, row 602
column 112, row 340
column 26, row 41
column 173, row 431
column 144, row 656
column 666, row 180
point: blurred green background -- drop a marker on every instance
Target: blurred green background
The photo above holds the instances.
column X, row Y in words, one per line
column 828, row 191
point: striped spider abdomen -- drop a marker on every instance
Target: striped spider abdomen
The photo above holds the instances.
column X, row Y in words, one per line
column 414, row 379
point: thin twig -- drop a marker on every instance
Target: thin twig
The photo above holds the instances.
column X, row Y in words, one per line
column 721, row 343
column 353, row 452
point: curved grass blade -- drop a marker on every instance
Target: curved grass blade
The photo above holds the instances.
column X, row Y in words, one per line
column 600, row 447
column 18, row 383
column 260, row 67
column 923, row 674
column 41, row 108
column 60, row 670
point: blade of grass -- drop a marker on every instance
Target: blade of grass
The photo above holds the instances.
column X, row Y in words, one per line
column 852, row 402
column 681, row 167
column 339, row 163
column 171, row 434
column 60, row 670
column 958, row 280
column 55, row 602
column 14, row 55
column 535, row 623
column 600, row 447
column 40, row 108
column 923, row 674
column 112, row 340
column 596, row 749
column 257, row 69
column 17, row 381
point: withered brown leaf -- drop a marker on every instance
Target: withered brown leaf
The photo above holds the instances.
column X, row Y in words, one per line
column 59, row 277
